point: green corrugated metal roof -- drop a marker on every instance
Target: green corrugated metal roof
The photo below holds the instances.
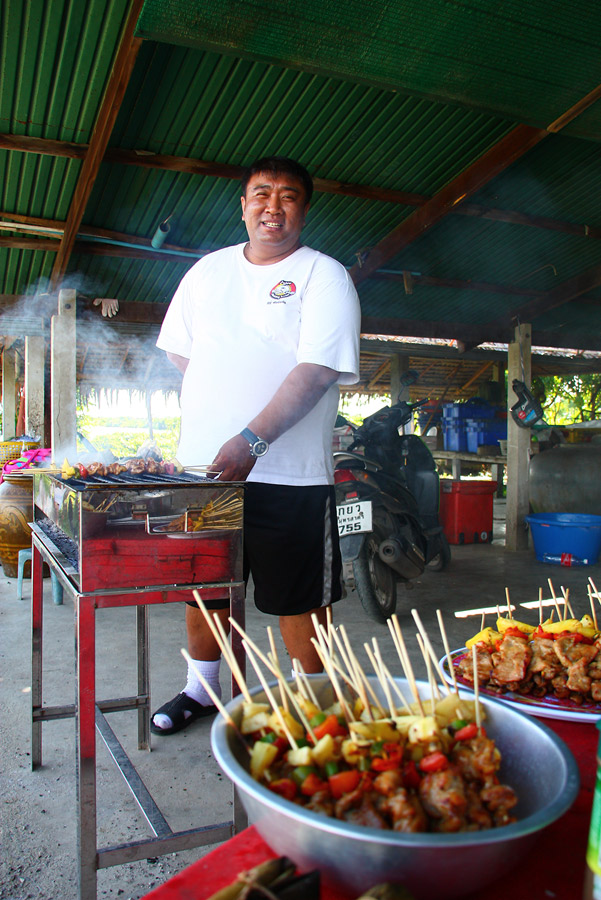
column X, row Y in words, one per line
column 398, row 96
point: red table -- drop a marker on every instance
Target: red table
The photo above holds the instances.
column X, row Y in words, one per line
column 553, row 870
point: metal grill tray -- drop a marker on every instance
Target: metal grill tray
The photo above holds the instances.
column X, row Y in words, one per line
column 129, row 480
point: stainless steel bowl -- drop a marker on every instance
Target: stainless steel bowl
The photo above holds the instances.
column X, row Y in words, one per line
column 536, row 763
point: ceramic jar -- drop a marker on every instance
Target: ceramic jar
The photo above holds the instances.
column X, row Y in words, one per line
column 16, row 511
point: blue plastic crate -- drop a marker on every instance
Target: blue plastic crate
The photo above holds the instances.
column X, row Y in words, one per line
column 471, row 409
column 455, row 437
column 484, row 431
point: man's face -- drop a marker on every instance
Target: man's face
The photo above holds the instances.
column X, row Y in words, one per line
column 273, row 210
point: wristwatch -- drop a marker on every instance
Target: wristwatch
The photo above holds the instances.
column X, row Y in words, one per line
column 258, row 447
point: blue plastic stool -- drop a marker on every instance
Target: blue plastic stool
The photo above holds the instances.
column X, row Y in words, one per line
column 57, row 588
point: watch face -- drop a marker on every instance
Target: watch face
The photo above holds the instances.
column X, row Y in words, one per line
column 260, row 448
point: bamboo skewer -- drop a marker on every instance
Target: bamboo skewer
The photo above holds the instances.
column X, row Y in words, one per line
column 566, row 600
column 420, row 644
column 330, row 672
column 476, row 688
column 593, row 610
column 447, row 651
column 274, row 667
column 362, row 677
column 353, row 669
column 540, row 606
column 396, row 688
column 220, row 636
column 552, row 589
column 289, row 736
column 509, row 612
column 406, row 663
column 274, row 653
column 298, row 667
column 383, row 679
column 429, row 648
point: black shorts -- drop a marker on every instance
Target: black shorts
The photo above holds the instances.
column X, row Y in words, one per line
column 291, row 548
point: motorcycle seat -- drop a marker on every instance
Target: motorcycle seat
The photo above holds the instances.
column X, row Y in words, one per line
column 346, row 460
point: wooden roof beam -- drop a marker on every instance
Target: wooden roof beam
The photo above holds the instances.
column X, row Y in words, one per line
column 495, row 332
column 563, row 293
column 111, row 102
column 147, row 159
column 498, row 158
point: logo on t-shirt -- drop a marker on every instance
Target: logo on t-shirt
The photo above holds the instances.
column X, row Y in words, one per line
column 282, row 290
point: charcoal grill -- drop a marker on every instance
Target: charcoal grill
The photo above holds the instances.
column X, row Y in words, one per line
column 120, row 531
column 129, row 540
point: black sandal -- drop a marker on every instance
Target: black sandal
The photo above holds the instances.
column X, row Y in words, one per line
column 176, row 708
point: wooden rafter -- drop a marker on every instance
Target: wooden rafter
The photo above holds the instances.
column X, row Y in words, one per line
column 563, row 293
column 493, row 162
column 111, row 102
column 147, row 159
column 498, row 158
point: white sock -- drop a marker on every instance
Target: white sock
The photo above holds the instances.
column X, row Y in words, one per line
column 210, row 670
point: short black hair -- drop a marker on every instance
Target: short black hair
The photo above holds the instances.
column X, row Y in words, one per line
column 279, row 165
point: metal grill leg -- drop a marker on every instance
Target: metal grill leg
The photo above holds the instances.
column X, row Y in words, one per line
column 37, row 613
column 142, row 632
column 85, row 730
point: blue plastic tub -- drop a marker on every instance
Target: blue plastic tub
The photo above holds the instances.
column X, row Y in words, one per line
column 566, row 539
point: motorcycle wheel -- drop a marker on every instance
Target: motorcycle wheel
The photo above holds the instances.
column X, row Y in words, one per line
column 374, row 580
column 441, row 560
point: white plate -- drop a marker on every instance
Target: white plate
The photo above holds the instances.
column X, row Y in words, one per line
column 547, row 707
column 354, row 517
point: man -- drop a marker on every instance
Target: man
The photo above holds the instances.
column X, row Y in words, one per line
column 263, row 333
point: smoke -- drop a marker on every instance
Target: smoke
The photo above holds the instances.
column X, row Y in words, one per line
column 111, row 355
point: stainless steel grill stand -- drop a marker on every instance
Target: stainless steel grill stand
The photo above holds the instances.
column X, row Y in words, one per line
column 89, row 714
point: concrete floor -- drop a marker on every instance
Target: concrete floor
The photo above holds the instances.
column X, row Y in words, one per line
column 37, row 810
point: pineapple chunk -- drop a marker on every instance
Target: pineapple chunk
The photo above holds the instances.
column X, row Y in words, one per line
column 296, row 729
column 381, row 730
column 352, row 751
column 573, row 625
column 425, row 729
column 486, row 636
column 255, row 716
column 261, row 757
column 301, row 757
column 504, row 624
column 307, row 706
column 324, row 750
column 404, row 723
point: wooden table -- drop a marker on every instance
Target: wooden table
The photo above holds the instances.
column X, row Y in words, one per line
column 554, row 868
column 457, row 457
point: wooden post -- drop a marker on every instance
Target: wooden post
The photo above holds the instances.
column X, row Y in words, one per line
column 34, row 387
column 63, row 376
column 518, row 443
column 8, row 394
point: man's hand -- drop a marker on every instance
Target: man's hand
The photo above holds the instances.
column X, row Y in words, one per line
column 234, row 460
column 109, row 306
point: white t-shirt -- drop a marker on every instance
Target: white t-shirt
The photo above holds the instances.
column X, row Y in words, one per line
column 244, row 327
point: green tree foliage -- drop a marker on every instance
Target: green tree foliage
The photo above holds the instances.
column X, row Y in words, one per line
column 570, row 400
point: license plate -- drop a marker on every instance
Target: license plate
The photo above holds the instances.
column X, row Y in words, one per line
column 353, row 518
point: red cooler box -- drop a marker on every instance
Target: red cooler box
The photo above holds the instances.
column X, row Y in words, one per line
column 466, row 510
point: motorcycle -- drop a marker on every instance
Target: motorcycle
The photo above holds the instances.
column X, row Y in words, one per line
column 387, row 498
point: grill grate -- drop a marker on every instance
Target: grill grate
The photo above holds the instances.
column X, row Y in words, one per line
column 128, row 479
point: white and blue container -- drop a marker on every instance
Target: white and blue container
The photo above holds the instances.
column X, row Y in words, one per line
column 566, row 539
